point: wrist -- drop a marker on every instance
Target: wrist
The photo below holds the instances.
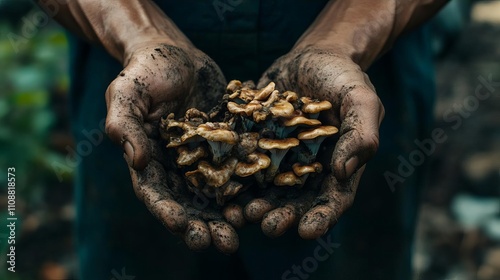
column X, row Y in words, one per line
column 359, row 30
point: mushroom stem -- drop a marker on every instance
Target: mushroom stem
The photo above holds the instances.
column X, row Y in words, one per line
column 220, row 150
column 305, row 156
column 314, row 144
column 278, row 149
column 276, row 158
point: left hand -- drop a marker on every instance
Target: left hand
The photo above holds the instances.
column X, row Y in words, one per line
column 357, row 111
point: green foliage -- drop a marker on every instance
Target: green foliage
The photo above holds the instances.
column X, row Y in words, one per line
column 28, row 76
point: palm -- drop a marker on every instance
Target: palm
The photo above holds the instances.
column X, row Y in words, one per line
column 158, row 80
column 357, row 111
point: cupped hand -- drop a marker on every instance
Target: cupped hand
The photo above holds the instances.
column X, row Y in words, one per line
column 325, row 74
column 159, row 79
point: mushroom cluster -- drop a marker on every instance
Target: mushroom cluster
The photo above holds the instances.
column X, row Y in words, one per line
column 253, row 136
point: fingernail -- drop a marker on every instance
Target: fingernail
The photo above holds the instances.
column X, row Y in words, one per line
column 129, row 153
column 350, row 166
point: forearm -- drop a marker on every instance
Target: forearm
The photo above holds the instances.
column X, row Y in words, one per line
column 364, row 29
column 119, row 26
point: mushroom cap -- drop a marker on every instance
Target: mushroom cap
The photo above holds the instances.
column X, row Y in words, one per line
column 195, row 115
column 275, row 96
column 256, row 162
column 300, row 169
column 281, row 144
column 217, row 176
column 171, row 123
column 194, row 178
column 290, row 96
column 312, row 106
column 287, row 179
column 247, row 143
column 247, row 94
column 217, row 132
column 233, row 86
column 264, row 92
column 188, row 157
column 189, row 135
column 301, row 120
column 282, row 108
column 246, row 108
column 260, row 115
column 232, row 188
column 317, row 132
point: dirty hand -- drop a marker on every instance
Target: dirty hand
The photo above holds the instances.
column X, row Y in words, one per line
column 159, row 79
column 357, row 112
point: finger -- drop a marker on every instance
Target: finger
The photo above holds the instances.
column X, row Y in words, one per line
column 150, row 187
column 233, row 214
column 224, row 237
column 278, row 221
column 124, row 122
column 197, row 236
column 257, row 208
column 361, row 113
column 336, row 198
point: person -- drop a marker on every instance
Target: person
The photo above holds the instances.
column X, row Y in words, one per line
column 152, row 58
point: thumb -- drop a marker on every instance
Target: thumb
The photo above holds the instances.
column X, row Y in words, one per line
column 125, row 122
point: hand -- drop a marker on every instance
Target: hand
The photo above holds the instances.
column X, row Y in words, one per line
column 159, row 79
column 327, row 75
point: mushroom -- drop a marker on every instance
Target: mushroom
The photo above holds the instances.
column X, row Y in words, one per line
column 247, row 144
column 261, row 115
column 195, row 179
column 233, row 86
column 195, row 116
column 242, row 96
column 264, row 93
column 303, row 170
column 275, row 95
column 213, row 176
column 188, row 157
column 278, row 149
column 313, row 138
column 282, row 108
column 314, row 106
column 189, row 134
column 287, row 179
column 230, row 189
column 290, row 124
column 245, row 108
column 255, row 163
column 220, row 137
column 290, row 96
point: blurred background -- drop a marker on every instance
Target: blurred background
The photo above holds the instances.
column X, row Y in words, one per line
column 458, row 234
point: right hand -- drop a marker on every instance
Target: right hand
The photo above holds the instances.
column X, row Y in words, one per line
column 159, row 79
